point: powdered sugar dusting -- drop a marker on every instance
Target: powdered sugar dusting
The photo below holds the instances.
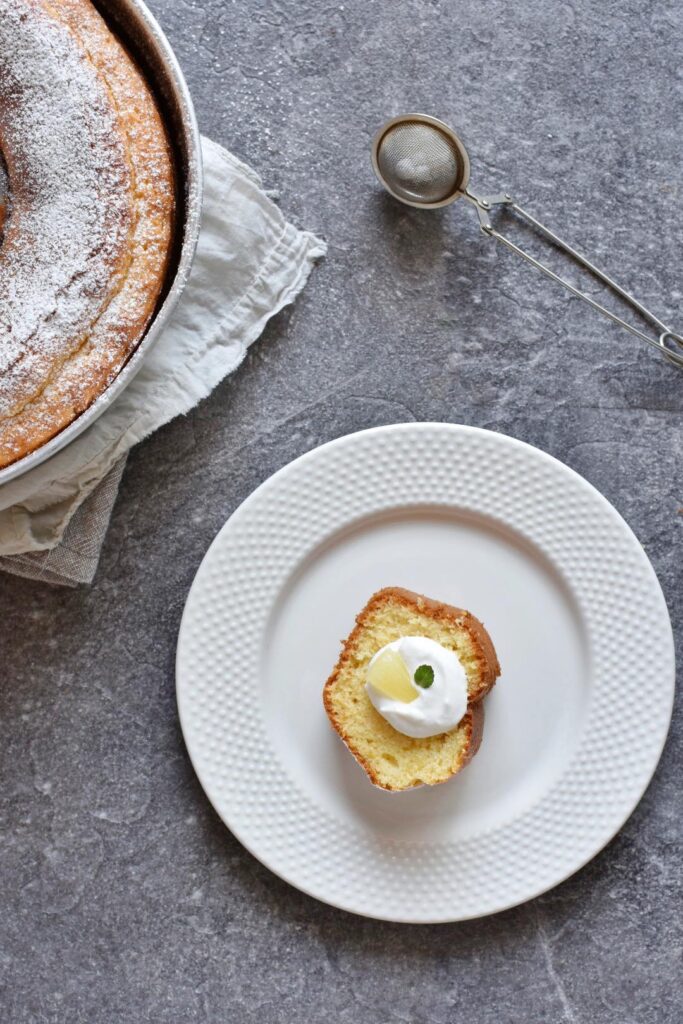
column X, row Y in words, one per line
column 66, row 238
column 4, row 196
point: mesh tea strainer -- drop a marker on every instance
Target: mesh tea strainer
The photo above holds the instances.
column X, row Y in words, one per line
column 422, row 162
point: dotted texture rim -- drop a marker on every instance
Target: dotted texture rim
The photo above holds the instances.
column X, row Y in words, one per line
column 630, row 647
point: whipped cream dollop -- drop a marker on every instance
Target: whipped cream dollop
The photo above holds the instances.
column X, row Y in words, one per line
column 436, row 709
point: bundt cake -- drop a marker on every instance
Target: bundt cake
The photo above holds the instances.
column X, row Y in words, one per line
column 86, row 214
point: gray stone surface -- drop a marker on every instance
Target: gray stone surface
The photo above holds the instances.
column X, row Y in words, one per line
column 123, row 898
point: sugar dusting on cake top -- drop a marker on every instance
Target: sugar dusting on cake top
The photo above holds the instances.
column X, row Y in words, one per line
column 70, row 212
column 87, row 241
column 4, row 196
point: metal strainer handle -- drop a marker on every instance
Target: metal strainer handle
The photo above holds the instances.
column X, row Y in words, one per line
column 666, row 337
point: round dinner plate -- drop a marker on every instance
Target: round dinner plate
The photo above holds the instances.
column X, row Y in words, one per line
column 574, row 726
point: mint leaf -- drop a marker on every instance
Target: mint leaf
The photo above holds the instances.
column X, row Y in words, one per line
column 424, row 676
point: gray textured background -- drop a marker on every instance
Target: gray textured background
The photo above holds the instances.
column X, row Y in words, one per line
column 122, row 896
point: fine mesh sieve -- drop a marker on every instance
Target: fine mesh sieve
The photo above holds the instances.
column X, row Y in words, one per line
column 422, row 162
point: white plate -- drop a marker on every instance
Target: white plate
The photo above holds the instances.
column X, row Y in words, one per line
column 574, row 727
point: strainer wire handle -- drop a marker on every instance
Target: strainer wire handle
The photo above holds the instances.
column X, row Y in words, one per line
column 484, row 205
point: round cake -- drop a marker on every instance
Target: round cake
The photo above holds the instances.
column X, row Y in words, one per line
column 86, row 214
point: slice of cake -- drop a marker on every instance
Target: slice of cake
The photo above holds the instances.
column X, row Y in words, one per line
column 405, row 694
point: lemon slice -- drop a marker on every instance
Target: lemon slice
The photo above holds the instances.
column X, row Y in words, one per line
column 389, row 675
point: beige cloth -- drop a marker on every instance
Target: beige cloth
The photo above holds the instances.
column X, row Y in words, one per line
column 250, row 262
column 74, row 559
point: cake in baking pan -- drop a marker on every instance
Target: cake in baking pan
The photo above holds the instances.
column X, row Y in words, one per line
column 86, row 214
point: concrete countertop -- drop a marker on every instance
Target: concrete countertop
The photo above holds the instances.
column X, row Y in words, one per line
column 123, row 898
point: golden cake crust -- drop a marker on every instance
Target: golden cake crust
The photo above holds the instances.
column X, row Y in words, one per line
column 444, row 755
column 49, row 378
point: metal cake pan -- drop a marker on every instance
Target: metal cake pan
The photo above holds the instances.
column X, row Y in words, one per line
column 131, row 21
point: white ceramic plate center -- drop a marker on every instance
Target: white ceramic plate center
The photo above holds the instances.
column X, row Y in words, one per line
column 537, row 706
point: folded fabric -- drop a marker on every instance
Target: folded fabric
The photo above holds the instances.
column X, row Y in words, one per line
column 250, row 263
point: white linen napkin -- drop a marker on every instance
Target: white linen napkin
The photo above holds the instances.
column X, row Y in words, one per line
column 250, row 263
